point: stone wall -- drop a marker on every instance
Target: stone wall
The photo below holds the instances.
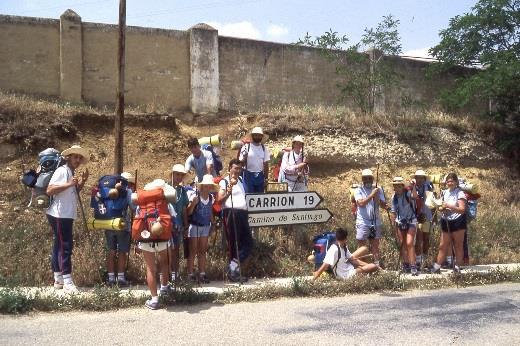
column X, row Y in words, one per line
column 193, row 70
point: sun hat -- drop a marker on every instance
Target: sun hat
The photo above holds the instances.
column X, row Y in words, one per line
column 398, row 181
column 420, row 173
column 367, row 173
column 256, row 131
column 76, row 149
column 298, row 138
column 178, row 168
column 207, row 179
column 128, row 176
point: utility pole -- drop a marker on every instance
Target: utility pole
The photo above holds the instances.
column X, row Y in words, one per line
column 120, row 98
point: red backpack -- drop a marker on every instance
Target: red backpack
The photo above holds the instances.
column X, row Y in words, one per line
column 153, row 208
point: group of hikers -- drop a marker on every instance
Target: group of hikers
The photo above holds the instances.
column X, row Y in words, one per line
column 194, row 207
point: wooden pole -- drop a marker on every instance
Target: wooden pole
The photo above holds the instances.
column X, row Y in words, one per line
column 120, row 98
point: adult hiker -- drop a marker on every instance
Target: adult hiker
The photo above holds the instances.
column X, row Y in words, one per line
column 232, row 196
column 344, row 265
column 405, row 220
column 294, row 168
column 255, row 157
column 200, row 160
column 424, row 217
column 63, row 189
column 180, row 223
column 453, row 223
column 201, row 219
column 368, row 219
column 118, row 242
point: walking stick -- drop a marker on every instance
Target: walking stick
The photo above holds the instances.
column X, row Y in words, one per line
column 132, row 216
column 81, row 209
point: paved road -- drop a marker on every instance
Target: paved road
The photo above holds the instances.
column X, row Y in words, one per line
column 479, row 315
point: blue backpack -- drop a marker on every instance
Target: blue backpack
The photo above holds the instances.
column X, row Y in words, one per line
column 322, row 243
column 109, row 207
column 217, row 160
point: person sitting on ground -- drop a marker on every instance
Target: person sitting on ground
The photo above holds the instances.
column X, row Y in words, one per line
column 404, row 218
column 453, row 223
column 232, row 197
column 344, row 265
column 255, row 159
column 424, row 218
column 294, row 167
column 180, row 223
column 201, row 160
column 63, row 188
column 368, row 220
column 201, row 220
column 118, row 242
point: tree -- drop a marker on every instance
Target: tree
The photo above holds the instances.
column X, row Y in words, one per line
column 488, row 39
column 364, row 72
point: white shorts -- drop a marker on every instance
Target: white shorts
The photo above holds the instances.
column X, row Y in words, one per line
column 363, row 231
column 350, row 274
column 153, row 246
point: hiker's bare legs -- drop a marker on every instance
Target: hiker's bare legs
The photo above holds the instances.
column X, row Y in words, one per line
column 149, row 259
column 202, row 248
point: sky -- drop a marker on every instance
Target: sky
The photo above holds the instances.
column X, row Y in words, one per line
column 269, row 20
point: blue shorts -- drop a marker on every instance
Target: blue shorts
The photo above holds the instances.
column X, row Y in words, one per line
column 199, row 231
column 118, row 240
column 363, row 231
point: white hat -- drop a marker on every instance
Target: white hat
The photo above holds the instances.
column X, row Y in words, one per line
column 367, row 173
column 128, row 176
column 398, row 181
column 298, row 138
column 207, row 179
column 256, row 131
column 178, row 168
column 76, row 149
column 420, row 173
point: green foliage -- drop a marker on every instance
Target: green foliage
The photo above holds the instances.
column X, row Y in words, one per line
column 487, row 38
column 363, row 70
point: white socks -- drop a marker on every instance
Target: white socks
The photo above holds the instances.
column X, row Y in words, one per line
column 120, row 276
column 233, row 265
column 418, row 259
column 436, row 266
column 67, row 279
column 111, row 277
column 155, row 299
column 58, row 277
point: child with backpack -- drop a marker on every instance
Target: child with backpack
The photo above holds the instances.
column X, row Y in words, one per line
column 341, row 262
column 118, row 242
column 200, row 211
column 404, row 218
column 63, row 189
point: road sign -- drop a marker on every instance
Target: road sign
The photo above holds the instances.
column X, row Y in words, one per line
column 282, row 201
column 289, row 217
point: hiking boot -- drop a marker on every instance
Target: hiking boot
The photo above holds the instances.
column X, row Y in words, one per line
column 122, row 283
column 58, row 285
column 204, row 279
column 70, row 288
column 151, row 305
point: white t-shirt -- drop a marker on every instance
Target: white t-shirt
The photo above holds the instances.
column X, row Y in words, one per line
column 365, row 215
column 64, row 204
column 200, row 164
column 451, row 198
column 287, row 171
column 256, row 156
column 344, row 268
column 238, row 194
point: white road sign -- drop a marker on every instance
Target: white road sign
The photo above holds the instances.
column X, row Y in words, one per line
column 289, row 217
column 282, row 201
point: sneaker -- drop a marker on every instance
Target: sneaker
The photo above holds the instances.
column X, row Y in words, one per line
column 111, row 283
column 406, row 268
column 70, row 288
column 58, row 285
column 151, row 305
column 164, row 291
column 192, row 278
column 457, row 270
column 122, row 283
column 234, row 276
column 414, row 272
column 204, row 279
column 433, row 271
